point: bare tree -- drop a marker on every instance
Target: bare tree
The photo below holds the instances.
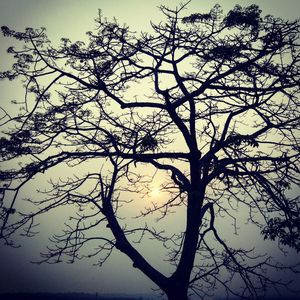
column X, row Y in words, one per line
column 209, row 100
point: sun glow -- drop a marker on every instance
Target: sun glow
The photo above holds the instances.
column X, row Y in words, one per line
column 155, row 192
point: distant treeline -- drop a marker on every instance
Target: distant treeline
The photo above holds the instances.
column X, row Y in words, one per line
column 61, row 296
column 86, row 296
column 268, row 298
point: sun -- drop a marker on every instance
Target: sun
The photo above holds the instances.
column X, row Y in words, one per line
column 155, row 192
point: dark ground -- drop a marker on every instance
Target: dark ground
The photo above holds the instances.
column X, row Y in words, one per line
column 86, row 296
column 62, row 296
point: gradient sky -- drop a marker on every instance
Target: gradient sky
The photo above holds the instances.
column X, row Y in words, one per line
column 72, row 18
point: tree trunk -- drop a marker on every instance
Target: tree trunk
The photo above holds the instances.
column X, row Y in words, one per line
column 177, row 294
column 178, row 297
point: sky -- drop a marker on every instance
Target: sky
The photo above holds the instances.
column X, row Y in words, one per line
column 72, row 18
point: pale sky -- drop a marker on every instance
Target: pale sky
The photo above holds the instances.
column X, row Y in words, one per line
column 72, row 18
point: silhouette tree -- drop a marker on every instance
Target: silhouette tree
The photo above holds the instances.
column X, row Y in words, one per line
column 208, row 100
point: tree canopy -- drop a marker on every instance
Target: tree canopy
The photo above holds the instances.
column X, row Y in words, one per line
column 208, row 100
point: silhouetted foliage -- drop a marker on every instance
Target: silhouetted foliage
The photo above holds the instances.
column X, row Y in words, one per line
column 209, row 100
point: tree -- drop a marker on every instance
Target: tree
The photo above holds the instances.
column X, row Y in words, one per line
column 209, row 100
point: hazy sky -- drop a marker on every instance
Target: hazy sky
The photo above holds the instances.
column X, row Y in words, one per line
column 72, row 18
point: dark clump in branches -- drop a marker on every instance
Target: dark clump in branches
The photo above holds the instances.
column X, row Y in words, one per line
column 287, row 231
column 208, row 103
column 248, row 17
